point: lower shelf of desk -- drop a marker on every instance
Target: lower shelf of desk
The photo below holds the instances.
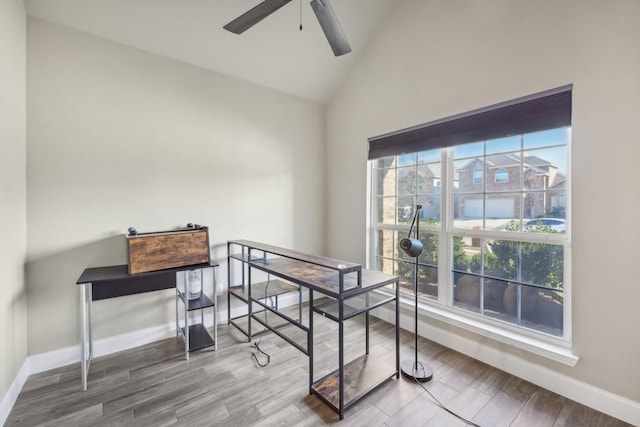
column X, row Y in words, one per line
column 361, row 376
column 352, row 306
column 263, row 290
column 292, row 331
column 199, row 337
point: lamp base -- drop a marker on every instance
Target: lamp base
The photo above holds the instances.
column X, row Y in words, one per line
column 416, row 370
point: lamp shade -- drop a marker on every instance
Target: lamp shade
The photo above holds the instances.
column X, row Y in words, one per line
column 412, row 247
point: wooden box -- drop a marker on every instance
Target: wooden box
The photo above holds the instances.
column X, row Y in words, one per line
column 167, row 249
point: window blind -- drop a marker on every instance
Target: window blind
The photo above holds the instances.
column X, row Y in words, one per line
column 544, row 110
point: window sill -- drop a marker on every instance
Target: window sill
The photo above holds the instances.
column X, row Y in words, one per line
column 554, row 350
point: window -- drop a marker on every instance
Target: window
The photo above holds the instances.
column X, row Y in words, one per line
column 477, row 174
column 402, row 183
column 502, row 176
column 496, row 249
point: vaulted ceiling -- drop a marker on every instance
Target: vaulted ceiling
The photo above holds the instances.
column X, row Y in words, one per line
column 274, row 53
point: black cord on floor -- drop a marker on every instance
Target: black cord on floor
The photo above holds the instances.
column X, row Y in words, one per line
column 460, row 417
column 255, row 354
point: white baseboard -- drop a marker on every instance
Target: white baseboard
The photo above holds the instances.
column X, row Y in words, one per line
column 586, row 394
column 102, row 347
column 10, row 397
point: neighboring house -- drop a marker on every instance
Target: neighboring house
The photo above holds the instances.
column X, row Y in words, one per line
column 541, row 194
column 428, row 191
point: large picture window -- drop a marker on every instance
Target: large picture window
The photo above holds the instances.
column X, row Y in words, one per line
column 494, row 221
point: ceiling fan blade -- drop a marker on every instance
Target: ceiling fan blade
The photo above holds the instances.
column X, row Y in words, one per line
column 331, row 27
column 255, row 15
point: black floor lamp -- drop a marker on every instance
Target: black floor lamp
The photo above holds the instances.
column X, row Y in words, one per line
column 415, row 369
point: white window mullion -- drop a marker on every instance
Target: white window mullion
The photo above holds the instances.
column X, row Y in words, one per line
column 372, row 215
column 445, row 249
column 567, row 276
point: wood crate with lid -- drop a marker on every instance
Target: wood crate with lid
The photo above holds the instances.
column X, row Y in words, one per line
column 167, row 249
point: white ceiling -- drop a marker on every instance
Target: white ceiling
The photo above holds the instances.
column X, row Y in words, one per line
column 274, row 53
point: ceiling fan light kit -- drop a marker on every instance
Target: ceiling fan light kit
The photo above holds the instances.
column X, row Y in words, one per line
column 322, row 9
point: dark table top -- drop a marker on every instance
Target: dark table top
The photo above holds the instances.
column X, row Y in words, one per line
column 121, row 272
column 316, row 272
column 334, row 264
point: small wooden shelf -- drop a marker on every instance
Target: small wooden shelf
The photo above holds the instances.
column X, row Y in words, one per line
column 245, row 258
column 361, row 376
column 333, row 264
column 320, row 278
column 199, row 337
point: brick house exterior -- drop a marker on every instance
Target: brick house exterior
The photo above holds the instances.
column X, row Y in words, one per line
column 542, row 193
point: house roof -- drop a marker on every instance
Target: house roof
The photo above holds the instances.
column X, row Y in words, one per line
column 559, row 181
column 430, row 170
column 534, row 163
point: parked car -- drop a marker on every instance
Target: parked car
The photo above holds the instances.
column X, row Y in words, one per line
column 556, row 224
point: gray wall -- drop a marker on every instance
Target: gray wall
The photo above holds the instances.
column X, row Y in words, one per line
column 437, row 58
column 119, row 137
column 13, row 191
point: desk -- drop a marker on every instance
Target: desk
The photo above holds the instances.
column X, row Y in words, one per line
column 113, row 281
column 348, row 291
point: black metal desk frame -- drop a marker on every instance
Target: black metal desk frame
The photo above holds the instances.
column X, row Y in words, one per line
column 349, row 288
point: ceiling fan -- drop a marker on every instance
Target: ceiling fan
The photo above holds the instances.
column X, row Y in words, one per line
column 322, row 8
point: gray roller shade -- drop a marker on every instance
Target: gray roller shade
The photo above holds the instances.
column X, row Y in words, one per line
column 545, row 110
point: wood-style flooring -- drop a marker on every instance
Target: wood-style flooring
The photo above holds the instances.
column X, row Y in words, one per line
column 153, row 385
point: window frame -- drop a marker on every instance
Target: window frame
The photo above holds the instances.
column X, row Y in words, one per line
column 501, row 172
column 477, row 175
column 442, row 308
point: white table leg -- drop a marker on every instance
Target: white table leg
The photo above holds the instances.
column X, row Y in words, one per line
column 85, row 332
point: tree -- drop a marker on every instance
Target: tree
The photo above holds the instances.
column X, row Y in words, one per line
column 537, row 263
column 427, row 266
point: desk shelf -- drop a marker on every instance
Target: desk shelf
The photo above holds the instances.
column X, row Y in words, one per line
column 352, row 306
column 361, row 376
column 263, row 290
column 199, row 337
column 288, row 329
column 194, row 333
column 196, row 304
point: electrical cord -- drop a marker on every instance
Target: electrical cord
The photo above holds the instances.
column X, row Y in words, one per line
column 256, row 344
column 460, row 417
column 254, row 354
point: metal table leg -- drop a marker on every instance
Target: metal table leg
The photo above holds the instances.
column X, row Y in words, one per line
column 186, row 314
column 85, row 332
column 215, row 310
column 310, row 341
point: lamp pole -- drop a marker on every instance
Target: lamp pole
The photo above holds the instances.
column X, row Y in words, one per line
column 415, row 369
